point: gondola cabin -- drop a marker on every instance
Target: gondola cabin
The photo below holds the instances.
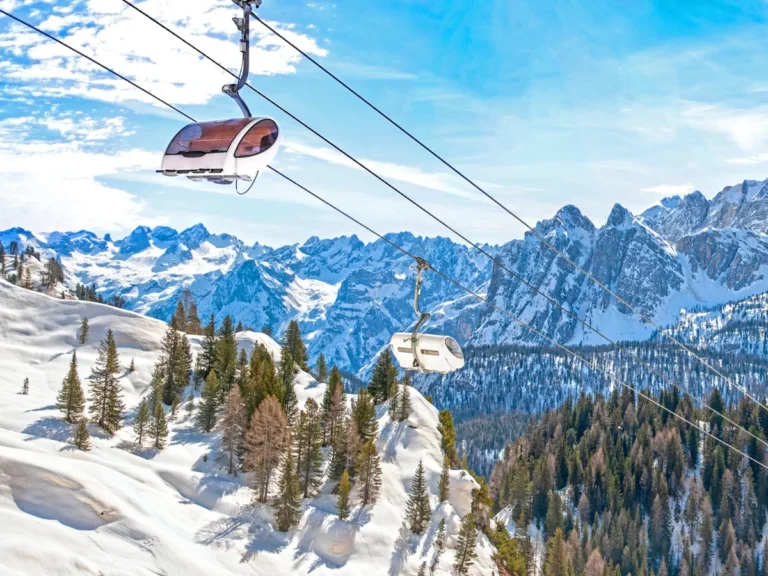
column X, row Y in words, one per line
column 441, row 354
column 222, row 151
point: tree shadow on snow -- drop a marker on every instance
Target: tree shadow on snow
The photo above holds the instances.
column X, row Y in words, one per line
column 405, row 545
column 148, row 453
column 48, row 408
column 50, row 428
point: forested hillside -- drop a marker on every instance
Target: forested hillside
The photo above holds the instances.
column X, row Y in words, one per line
column 620, row 486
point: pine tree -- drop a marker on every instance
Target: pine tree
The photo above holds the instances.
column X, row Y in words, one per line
column 287, row 509
column 132, row 367
column 158, row 428
column 322, row 369
column 465, row 546
column 706, row 532
column 191, row 401
column 179, row 318
column 443, row 487
column 334, row 405
column 266, row 441
column 233, row 426
column 309, row 441
column 141, row 424
column 71, row 400
column 2, row 258
column 404, row 409
column 439, row 546
column 25, row 387
column 556, row 562
column 176, row 362
column 175, row 407
column 343, row 502
column 208, row 353
column 448, row 436
column 84, row 330
column 194, row 325
column 82, row 438
column 106, row 403
column 393, row 406
column 156, row 385
column 554, row 518
column 419, row 512
column 206, row 416
column 345, row 446
column 27, row 283
column 364, row 415
column 384, row 376
column 295, row 345
column 288, row 393
column 368, row 470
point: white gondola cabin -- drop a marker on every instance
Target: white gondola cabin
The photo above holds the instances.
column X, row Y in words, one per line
column 222, row 151
column 435, row 353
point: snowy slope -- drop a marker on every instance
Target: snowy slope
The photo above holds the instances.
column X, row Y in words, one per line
column 120, row 510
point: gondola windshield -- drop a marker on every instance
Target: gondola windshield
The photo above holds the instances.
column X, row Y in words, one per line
column 206, row 138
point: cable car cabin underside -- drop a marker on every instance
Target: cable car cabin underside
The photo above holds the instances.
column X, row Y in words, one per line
column 222, row 151
column 435, row 353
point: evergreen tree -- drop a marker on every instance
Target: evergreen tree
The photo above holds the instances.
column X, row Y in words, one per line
column 295, row 345
column 448, row 434
column 393, row 403
column 158, row 428
column 2, row 258
column 156, row 385
column 208, row 353
column 53, row 273
column 418, row 511
column 132, row 367
column 334, row 405
column 309, row 441
column 443, row 487
column 175, row 407
column 71, row 400
column 191, row 401
column 233, row 427
column 465, row 546
column 364, row 415
column 439, row 546
column 422, row 569
column 556, row 561
column 368, row 469
column 384, row 375
column 25, row 387
column 343, row 502
column 27, row 282
column 84, row 330
column 267, row 330
column 321, row 368
column 141, row 424
column 266, row 440
column 288, row 393
column 287, row 509
column 554, row 518
column 106, row 402
column 206, row 415
column 194, row 325
column 176, row 361
column 404, row 409
column 179, row 318
column 82, row 438
column 239, row 327
column 345, row 446
column 706, row 532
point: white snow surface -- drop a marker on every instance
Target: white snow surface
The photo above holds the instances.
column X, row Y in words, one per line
column 119, row 509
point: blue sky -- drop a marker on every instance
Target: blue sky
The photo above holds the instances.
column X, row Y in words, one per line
column 545, row 103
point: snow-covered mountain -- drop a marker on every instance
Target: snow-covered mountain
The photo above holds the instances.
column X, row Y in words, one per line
column 350, row 296
column 121, row 509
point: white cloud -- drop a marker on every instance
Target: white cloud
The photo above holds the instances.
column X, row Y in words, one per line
column 125, row 40
column 671, row 189
column 56, row 185
column 756, row 159
column 388, row 170
column 747, row 129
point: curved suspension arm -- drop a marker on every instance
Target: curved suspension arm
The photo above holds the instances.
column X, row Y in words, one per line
column 244, row 26
column 421, row 265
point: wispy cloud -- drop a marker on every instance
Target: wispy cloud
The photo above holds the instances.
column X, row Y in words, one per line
column 672, row 189
column 125, row 40
column 749, row 160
